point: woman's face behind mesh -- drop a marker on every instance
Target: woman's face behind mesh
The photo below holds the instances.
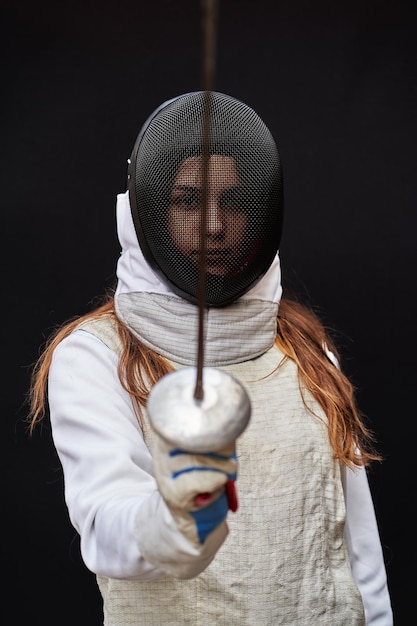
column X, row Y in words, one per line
column 227, row 221
column 244, row 208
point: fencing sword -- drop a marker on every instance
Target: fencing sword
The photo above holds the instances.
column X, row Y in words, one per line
column 201, row 409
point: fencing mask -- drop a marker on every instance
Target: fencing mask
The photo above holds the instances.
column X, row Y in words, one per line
column 243, row 204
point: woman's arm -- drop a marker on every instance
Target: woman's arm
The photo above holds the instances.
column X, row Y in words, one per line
column 126, row 529
column 364, row 547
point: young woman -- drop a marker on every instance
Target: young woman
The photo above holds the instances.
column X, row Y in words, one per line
column 159, row 523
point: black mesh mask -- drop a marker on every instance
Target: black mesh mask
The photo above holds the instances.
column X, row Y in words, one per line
column 244, row 203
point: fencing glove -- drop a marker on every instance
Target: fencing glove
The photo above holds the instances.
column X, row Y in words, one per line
column 199, row 489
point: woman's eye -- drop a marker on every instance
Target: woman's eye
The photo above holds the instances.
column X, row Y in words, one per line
column 233, row 200
column 189, row 200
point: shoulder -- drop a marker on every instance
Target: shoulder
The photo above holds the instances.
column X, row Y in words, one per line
column 84, row 358
column 104, row 329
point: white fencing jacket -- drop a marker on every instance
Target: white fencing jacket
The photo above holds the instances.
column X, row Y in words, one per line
column 303, row 547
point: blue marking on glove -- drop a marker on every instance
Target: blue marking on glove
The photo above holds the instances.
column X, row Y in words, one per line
column 209, row 517
column 204, row 468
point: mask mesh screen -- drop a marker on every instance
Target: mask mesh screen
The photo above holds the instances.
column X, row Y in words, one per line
column 244, row 203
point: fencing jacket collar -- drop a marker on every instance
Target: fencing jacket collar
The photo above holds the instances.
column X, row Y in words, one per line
column 168, row 324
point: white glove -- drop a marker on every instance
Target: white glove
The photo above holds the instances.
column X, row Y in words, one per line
column 198, row 488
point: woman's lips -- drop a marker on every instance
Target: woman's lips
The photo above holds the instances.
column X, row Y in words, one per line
column 217, row 262
column 217, row 256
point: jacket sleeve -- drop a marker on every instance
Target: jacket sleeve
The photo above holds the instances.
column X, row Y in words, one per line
column 126, row 529
column 364, row 547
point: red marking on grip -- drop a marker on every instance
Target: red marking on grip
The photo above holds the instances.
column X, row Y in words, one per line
column 231, row 495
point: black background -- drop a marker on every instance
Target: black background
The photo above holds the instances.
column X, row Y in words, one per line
column 336, row 82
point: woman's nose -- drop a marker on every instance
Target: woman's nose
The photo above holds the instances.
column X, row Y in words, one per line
column 215, row 217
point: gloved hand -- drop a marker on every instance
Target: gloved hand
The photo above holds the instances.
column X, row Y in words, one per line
column 198, row 488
